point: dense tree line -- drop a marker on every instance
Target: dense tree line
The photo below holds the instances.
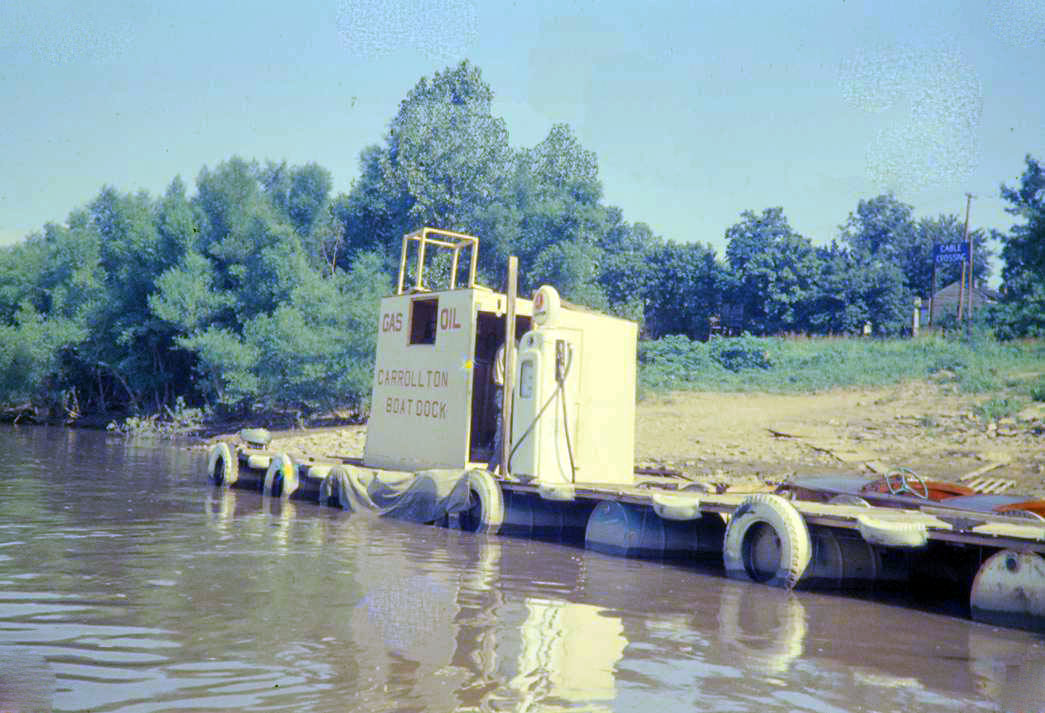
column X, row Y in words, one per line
column 1022, row 311
column 259, row 291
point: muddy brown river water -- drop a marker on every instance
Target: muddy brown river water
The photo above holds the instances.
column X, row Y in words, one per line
column 128, row 584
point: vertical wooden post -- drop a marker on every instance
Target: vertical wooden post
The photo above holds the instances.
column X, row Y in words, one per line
column 509, row 363
column 968, row 241
column 932, row 293
column 961, row 292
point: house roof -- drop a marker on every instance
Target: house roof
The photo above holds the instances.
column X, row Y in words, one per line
column 952, row 291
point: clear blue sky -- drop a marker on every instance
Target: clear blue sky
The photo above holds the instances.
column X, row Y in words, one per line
column 696, row 112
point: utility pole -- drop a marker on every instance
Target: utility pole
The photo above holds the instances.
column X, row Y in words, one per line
column 509, row 364
column 968, row 241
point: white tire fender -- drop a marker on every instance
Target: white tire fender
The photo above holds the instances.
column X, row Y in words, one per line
column 332, row 489
column 767, row 541
column 258, row 461
column 677, row 506
column 892, row 533
column 281, row 467
column 486, row 513
column 222, row 464
column 557, row 492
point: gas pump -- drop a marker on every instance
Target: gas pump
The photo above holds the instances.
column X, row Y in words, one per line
column 547, row 393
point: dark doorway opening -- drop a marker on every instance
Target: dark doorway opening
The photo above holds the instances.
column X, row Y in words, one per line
column 489, row 335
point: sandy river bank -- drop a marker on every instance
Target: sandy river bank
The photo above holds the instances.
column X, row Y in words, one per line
column 748, row 438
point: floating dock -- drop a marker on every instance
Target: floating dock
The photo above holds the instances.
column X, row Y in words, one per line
column 996, row 562
column 547, row 450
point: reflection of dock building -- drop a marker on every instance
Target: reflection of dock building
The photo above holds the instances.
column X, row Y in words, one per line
column 455, row 643
column 447, row 621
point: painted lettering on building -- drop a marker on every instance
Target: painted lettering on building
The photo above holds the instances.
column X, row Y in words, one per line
column 392, row 322
column 448, row 319
column 424, row 408
column 413, row 378
column 404, row 381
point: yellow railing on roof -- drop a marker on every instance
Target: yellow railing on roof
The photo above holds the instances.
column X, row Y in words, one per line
column 456, row 242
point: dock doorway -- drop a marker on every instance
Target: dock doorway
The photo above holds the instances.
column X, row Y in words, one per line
column 489, row 335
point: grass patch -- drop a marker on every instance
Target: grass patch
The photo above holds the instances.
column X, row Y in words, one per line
column 783, row 365
column 998, row 408
column 1036, row 391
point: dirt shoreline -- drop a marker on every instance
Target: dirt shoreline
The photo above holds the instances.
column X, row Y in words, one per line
column 756, row 438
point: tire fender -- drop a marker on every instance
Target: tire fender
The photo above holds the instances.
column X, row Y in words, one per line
column 332, row 490
column 486, row 503
column 892, row 533
column 677, row 506
column 558, row 492
column 258, row 461
column 222, row 464
column 787, row 535
column 282, row 473
column 319, row 471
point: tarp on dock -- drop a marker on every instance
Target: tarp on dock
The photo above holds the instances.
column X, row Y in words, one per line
column 425, row 496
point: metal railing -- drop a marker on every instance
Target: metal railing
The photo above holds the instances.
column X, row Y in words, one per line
column 457, row 242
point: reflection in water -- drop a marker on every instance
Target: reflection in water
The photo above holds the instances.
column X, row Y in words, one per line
column 137, row 587
column 539, row 653
column 1008, row 668
column 769, row 634
column 572, row 650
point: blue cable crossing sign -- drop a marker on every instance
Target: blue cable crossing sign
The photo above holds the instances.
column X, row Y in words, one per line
column 944, row 253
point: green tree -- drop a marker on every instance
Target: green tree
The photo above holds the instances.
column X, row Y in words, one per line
column 230, row 203
column 176, row 223
column 186, row 297
column 773, row 271
column 884, row 228
column 556, row 193
column 21, row 268
column 1022, row 311
column 301, row 193
column 573, row 267
column 125, row 342
column 854, row 289
column 32, row 350
column 628, row 276
column 50, row 291
column 445, row 159
column 316, row 351
column 224, row 368
column 683, row 289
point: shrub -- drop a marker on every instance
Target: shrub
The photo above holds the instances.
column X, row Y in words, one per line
column 741, row 353
column 972, row 365
column 1037, row 391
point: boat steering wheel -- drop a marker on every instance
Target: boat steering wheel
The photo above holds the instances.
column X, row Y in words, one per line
column 905, row 477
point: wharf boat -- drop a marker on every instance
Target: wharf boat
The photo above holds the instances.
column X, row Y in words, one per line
column 566, row 470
